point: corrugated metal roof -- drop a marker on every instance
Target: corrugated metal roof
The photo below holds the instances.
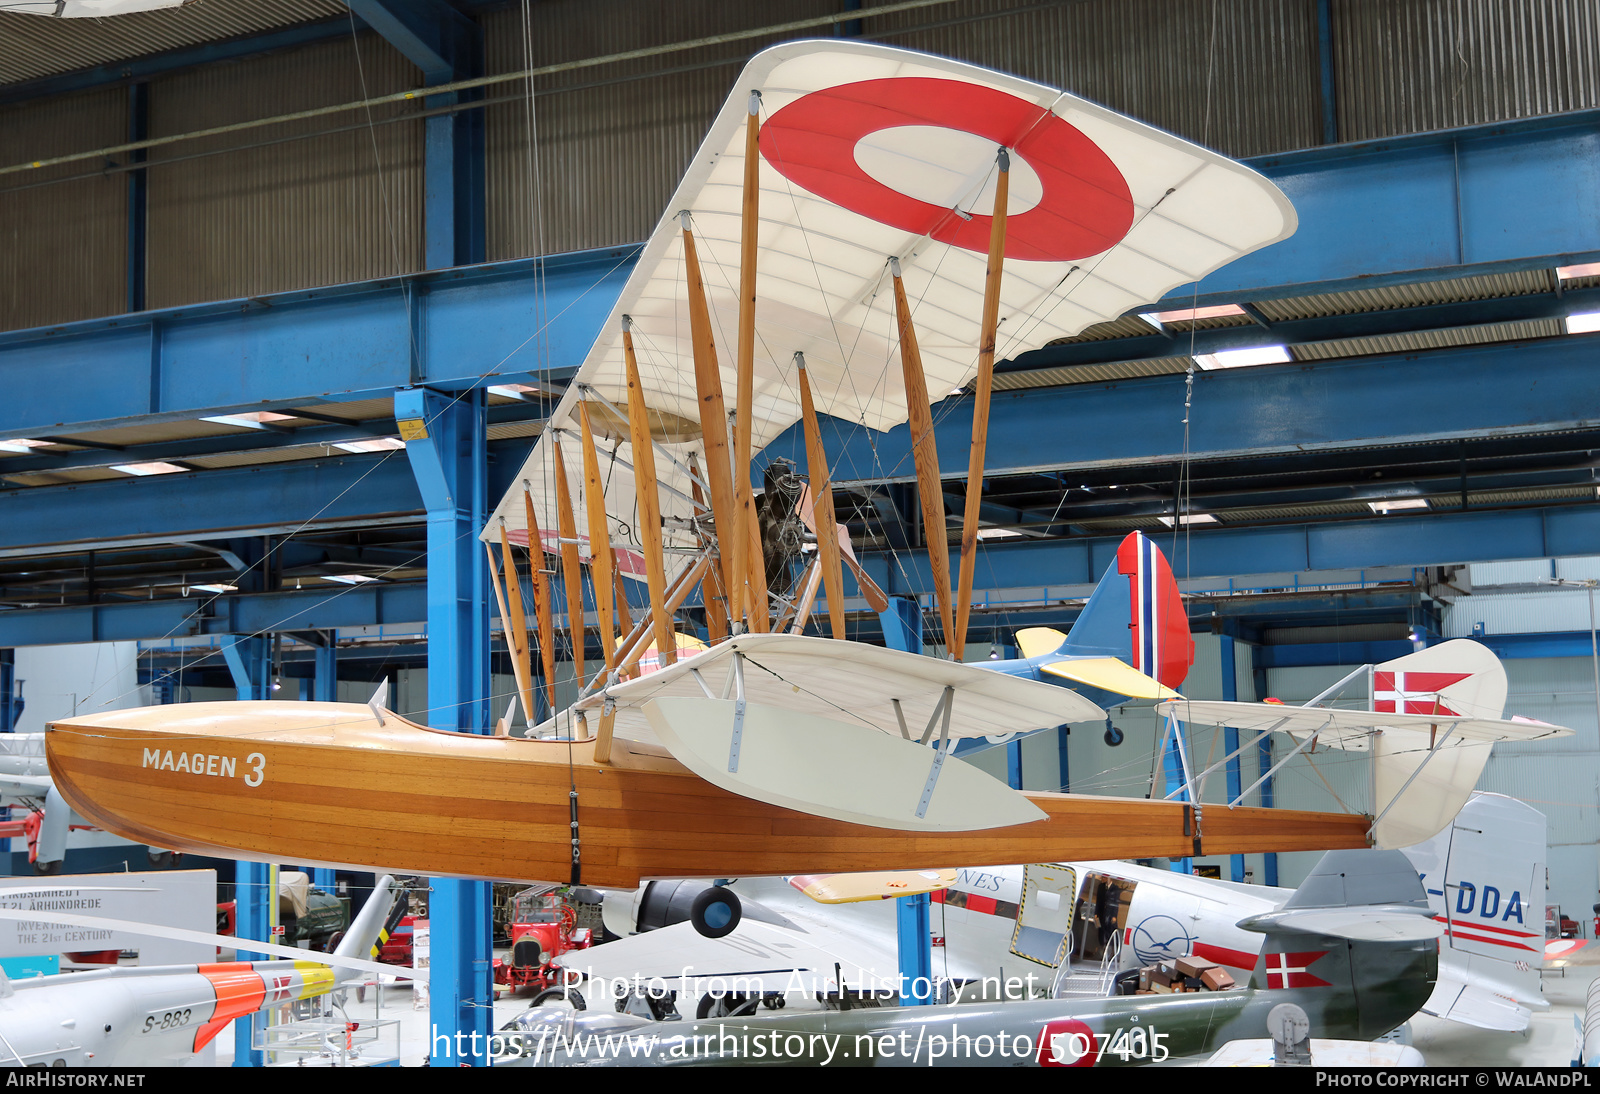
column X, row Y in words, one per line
column 1414, row 341
column 56, row 478
column 285, row 454
column 357, row 410
column 1089, row 374
column 515, row 429
column 1417, row 294
column 1408, row 66
column 330, row 209
column 1129, row 326
column 31, row 47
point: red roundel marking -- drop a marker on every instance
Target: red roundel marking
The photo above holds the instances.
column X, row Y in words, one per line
column 1077, row 1044
column 1085, row 208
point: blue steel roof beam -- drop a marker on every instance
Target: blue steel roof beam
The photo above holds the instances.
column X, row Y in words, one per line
column 1512, row 195
column 476, row 327
column 1467, row 391
column 1293, row 332
column 320, row 608
column 272, row 499
column 1220, row 552
column 243, row 441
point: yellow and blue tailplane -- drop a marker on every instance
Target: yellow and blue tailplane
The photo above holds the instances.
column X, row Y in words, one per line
column 1131, row 641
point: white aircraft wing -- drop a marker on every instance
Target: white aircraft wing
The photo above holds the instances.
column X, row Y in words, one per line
column 852, row 683
column 867, row 152
column 1349, row 729
column 15, row 787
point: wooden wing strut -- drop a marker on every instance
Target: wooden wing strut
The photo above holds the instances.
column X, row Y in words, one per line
column 923, row 453
column 980, row 407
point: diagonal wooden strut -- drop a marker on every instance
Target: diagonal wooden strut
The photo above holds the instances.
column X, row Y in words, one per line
column 599, row 539
column 980, row 406
column 731, row 535
column 644, row 472
column 822, row 504
column 924, row 454
column 541, row 600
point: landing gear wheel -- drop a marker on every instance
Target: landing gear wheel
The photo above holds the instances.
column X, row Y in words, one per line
column 159, row 859
column 716, row 912
column 559, row 997
column 47, row 869
column 731, row 1005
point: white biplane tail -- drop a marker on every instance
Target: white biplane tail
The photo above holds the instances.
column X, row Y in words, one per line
column 1459, row 677
column 1433, row 717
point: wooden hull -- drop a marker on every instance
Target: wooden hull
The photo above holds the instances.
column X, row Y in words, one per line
column 335, row 788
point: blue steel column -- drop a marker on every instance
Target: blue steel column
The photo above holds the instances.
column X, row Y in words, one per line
column 1258, row 674
column 1230, row 742
column 325, row 689
column 902, row 624
column 915, row 939
column 250, row 662
column 447, row 46
column 447, row 442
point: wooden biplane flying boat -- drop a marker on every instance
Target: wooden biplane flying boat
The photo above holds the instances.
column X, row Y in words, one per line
column 859, row 226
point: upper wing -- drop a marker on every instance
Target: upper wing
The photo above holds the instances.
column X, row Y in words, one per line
column 867, row 153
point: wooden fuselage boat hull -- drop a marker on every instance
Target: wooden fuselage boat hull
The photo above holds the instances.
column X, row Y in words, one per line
column 404, row 798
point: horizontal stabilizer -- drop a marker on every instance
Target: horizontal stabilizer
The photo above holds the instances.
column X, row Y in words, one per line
column 1348, row 729
column 1475, row 1006
column 1037, row 641
column 1110, row 674
column 1366, row 896
column 1372, row 923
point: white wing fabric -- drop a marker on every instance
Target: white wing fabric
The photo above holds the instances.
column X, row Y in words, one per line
column 868, row 153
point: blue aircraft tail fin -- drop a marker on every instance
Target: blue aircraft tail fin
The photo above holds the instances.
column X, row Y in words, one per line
column 1136, row 615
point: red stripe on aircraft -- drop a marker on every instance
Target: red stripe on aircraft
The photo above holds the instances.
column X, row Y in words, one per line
column 1485, row 927
column 1234, row 959
column 1464, row 937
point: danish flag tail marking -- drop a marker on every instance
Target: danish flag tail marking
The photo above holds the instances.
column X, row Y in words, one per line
column 1288, row 970
column 1413, row 692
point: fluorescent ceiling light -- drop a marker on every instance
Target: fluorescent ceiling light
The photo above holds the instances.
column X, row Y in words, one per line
column 215, row 588
column 155, row 467
column 254, row 419
column 377, row 444
column 1584, row 323
column 1570, row 273
column 1241, row 358
column 349, row 579
column 1390, row 504
column 20, row 444
column 999, row 533
column 513, row 391
column 1190, row 518
column 1189, row 315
